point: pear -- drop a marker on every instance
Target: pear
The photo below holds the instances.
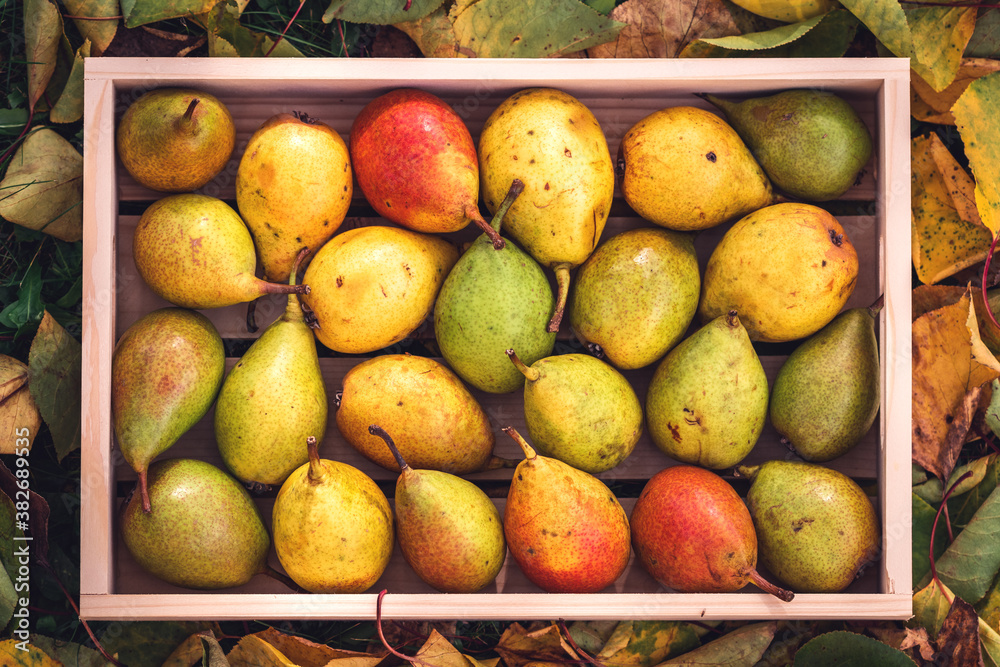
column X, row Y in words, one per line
column 636, row 296
column 374, row 285
column 272, row 400
column 175, row 139
column 692, row 533
column 449, row 531
column 564, row 527
column 332, row 526
column 491, row 301
column 165, row 373
column 553, row 143
column 195, row 251
column 416, row 163
column 684, row 168
column 816, row 528
column 438, row 424
column 787, row 269
column 293, row 188
column 206, row 531
column 707, row 401
column 580, row 410
column 811, row 143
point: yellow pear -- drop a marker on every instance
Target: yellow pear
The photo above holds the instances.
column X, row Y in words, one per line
column 553, row 143
column 686, row 169
column 293, row 188
column 372, row 286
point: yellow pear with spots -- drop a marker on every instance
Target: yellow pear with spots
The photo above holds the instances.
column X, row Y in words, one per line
column 553, row 143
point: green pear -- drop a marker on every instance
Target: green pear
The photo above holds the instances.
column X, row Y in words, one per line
column 332, row 526
column 816, row 528
column 206, row 531
column 580, row 410
column 491, row 301
column 636, row 296
column 195, row 251
column 554, row 144
column 272, row 400
column 175, row 139
column 165, row 373
column 449, row 531
column 707, row 401
column 826, row 394
column 811, row 143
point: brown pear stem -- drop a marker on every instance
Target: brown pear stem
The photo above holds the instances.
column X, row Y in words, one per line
column 144, row 492
column 529, row 453
column 498, row 462
column 473, row 213
column 269, row 571
column 746, row 472
column 316, row 471
column 766, row 586
column 516, row 188
column 531, row 374
column 732, row 318
column 562, row 281
column 280, row 288
column 189, row 114
column 293, row 311
column 380, row 432
column 876, row 307
column 251, row 313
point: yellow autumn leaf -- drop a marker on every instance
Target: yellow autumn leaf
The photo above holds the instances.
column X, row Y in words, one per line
column 305, row 653
column 939, row 38
column 978, row 124
column 11, row 655
column 437, row 651
column 19, row 417
column 435, row 35
column 519, row 648
column 931, row 106
column 253, row 651
column 645, row 643
column 947, row 234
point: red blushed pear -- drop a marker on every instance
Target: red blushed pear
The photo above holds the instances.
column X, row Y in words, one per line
column 416, row 163
column 692, row 532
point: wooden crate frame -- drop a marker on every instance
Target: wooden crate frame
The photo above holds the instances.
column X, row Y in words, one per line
column 883, row 83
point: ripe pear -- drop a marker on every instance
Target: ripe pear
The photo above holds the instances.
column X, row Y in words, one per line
column 554, row 144
column 165, row 373
column 787, row 269
column 195, row 251
column 826, row 394
column 636, row 296
column 692, row 532
column 580, row 410
column 811, row 143
column 491, row 301
column 816, row 528
column 449, row 531
column 332, row 527
column 564, row 527
column 206, row 531
column 438, row 424
column 272, row 400
column 293, row 188
column 684, row 168
column 372, row 286
column 175, row 139
column 416, row 163
column 707, row 401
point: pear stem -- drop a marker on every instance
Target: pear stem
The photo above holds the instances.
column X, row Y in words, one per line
column 293, row 311
column 531, row 374
column 380, row 432
column 280, row 288
column 269, row 571
column 144, row 492
column 747, row 472
column 516, row 188
column 529, row 453
column 189, row 114
column 874, row 309
column 316, row 471
column 473, row 214
column 498, row 462
column 251, row 316
column 562, row 281
column 766, row 586
column 732, row 318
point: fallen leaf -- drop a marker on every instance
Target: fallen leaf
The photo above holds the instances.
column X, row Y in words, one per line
column 743, row 646
column 305, row 653
column 979, row 128
column 926, row 298
column 190, row 653
column 518, row 647
column 958, row 640
column 434, row 34
column 513, row 29
column 100, row 32
column 227, row 37
column 930, row 606
column 848, row 648
column 38, row 512
column 887, row 21
column 826, row 36
column 923, row 520
column 646, row 643
column 212, row 654
column 69, row 107
column 149, row 643
column 990, row 642
column 55, row 361
column 437, row 651
column 391, row 42
column 917, row 638
column 933, row 107
column 985, row 40
column 769, row 39
column 591, row 636
column 963, row 508
column 141, row 12
column 939, row 37
column 662, row 28
column 8, row 573
column 378, row 12
column 43, row 33
column 970, row 564
column 19, row 416
column 989, row 607
column 11, row 655
column 69, row 653
column 251, row 651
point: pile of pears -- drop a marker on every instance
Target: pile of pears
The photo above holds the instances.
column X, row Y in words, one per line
column 533, row 274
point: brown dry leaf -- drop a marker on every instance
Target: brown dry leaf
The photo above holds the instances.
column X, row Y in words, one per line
column 43, row 34
column 917, row 638
column 391, row 42
column 662, row 28
column 926, row 298
column 950, row 365
column 947, row 233
column 69, row 107
column 305, row 653
column 439, row 652
column 518, row 647
column 19, row 416
column 434, row 34
column 933, row 107
column 958, row 641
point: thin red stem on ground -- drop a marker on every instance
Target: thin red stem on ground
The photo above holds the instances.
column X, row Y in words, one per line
column 287, row 26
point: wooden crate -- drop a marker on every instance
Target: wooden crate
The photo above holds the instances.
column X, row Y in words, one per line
column 619, row 93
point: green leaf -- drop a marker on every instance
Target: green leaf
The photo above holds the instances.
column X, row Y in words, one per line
column 591, row 636
column 43, row 188
column 990, row 643
column 12, row 121
column 149, row 643
column 971, row 562
column 513, row 29
column 228, row 38
column 141, row 12
column 434, row 34
column 923, row 520
column 979, row 128
column 646, row 643
column 743, row 646
column 43, row 33
column 379, row 12
column 985, row 40
column 848, row 648
column 55, row 363
column 768, row 39
column 24, row 314
column 602, row 6
column 963, row 508
column 69, row 653
column 939, row 37
column 827, row 37
column 989, row 607
column 69, row 108
column 887, row 21
column 100, row 33
column 930, row 607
